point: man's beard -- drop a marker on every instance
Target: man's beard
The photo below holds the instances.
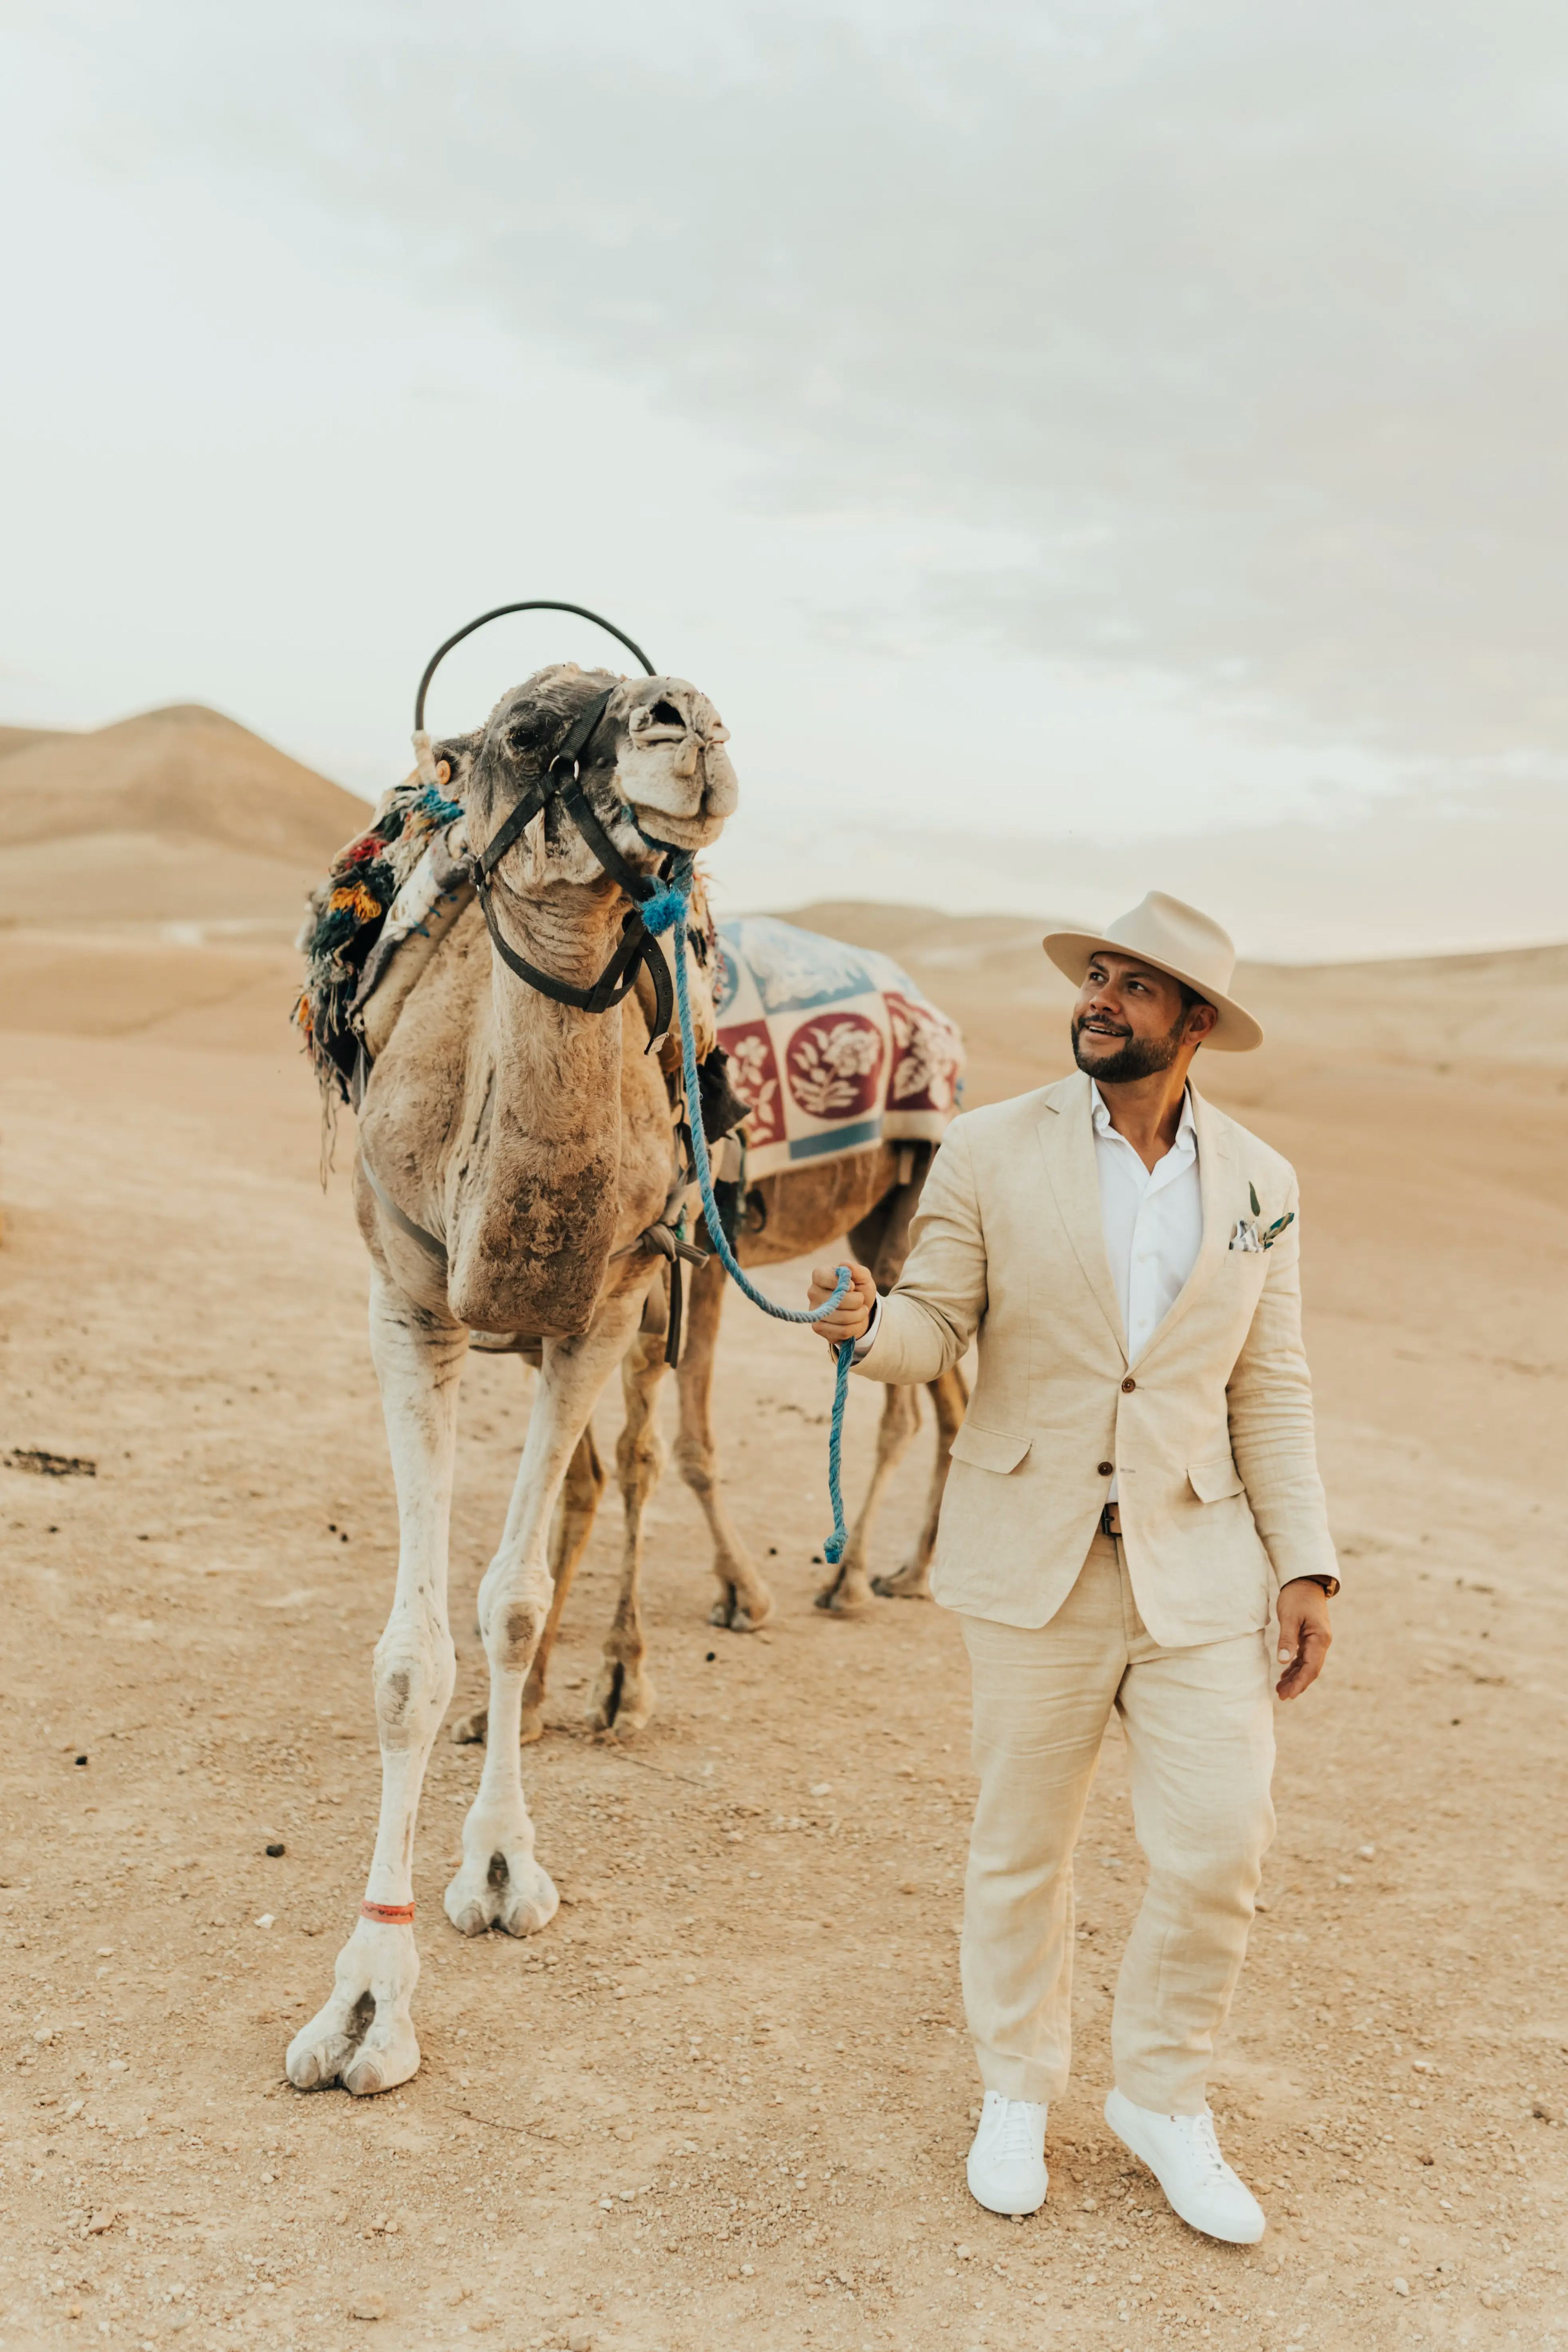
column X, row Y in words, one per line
column 1137, row 1057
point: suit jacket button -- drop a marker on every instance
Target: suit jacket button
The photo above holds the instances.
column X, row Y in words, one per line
column 1128, row 1384
column 1106, row 1469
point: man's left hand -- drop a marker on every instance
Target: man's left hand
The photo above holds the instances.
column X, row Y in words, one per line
column 1304, row 1636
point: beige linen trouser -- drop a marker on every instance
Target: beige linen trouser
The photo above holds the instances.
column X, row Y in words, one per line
column 1200, row 1734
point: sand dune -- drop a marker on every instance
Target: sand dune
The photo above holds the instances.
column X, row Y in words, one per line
column 177, row 814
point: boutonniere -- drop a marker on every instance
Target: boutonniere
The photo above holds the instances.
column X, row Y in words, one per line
column 1247, row 1236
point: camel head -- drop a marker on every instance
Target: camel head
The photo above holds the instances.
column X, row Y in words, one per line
column 656, row 771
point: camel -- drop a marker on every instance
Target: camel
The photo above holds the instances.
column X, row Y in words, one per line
column 514, row 1150
column 871, row 1195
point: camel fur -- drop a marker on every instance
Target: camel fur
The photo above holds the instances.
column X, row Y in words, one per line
column 535, row 1142
column 871, row 1195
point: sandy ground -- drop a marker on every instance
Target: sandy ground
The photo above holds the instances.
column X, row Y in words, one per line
column 723, row 2099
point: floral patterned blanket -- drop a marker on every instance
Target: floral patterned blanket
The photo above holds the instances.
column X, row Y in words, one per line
column 833, row 1048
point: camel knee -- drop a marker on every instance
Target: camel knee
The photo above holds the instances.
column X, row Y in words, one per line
column 695, row 1462
column 640, row 1459
column 514, row 1621
column 415, row 1671
column 901, row 1415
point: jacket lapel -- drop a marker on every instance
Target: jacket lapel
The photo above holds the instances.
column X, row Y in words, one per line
column 1067, row 1142
column 1216, row 1185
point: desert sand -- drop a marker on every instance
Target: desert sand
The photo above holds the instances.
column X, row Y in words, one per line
column 723, row 2099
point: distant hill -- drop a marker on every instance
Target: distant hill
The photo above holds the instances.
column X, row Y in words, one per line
column 177, row 814
column 16, row 738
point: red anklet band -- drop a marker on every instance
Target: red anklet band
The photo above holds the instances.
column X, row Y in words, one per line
column 390, row 1915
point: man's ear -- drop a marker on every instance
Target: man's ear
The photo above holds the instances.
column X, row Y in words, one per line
column 1201, row 1021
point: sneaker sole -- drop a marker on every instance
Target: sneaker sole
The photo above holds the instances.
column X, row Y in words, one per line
column 1204, row 2229
column 1007, row 2213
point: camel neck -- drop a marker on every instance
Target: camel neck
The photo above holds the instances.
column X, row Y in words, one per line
column 556, row 1066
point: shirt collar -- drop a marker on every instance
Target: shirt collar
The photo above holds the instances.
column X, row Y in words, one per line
column 1186, row 1130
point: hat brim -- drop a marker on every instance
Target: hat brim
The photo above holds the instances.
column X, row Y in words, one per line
column 1235, row 1031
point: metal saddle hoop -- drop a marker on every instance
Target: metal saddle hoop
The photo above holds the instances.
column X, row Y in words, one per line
column 563, row 781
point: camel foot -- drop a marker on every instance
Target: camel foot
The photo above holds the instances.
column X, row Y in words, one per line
column 531, row 1727
column 848, row 1595
column 910, row 1583
column 623, row 1699
column 363, row 2038
column 741, row 1612
column 507, row 1889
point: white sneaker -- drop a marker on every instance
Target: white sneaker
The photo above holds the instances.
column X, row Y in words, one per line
column 1183, row 2154
column 1007, row 2162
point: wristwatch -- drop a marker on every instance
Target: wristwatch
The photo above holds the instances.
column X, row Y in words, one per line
column 1330, row 1584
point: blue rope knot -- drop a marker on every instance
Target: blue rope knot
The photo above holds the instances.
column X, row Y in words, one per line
column 667, row 906
column 667, row 909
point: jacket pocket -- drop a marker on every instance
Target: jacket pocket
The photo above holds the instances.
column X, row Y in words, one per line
column 1214, row 1481
column 989, row 1449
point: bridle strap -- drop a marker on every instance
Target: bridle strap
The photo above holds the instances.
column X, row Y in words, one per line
column 614, row 984
column 581, row 810
column 563, row 781
column 549, row 785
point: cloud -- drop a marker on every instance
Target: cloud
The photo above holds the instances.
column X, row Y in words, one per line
column 1245, row 325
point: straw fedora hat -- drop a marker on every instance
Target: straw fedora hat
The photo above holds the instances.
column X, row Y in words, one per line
column 1177, row 940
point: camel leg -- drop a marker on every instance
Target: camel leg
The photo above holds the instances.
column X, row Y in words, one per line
column 501, row 1884
column 850, row 1592
column 949, row 1394
column 570, row 1529
column 623, row 1695
column 744, row 1603
column 364, row 2036
column 586, row 1480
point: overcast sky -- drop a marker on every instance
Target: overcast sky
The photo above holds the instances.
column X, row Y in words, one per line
column 1051, row 434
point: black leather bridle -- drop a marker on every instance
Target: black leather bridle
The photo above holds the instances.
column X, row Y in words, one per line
column 563, row 783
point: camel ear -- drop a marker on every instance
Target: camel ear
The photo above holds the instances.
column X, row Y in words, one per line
column 457, row 754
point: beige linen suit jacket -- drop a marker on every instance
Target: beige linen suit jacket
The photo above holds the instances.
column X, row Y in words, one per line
column 1209, row 1430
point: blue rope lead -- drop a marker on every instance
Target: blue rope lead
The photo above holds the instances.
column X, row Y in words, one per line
column 666, row 910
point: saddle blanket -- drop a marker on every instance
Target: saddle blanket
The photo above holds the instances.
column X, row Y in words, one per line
column 834, row 1049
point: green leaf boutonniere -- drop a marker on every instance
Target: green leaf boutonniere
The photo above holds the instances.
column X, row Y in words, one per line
column 1247, row 1236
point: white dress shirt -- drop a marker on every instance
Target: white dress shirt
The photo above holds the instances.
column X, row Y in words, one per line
column 1152, row 1219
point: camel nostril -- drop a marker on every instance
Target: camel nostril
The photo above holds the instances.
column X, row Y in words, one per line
column 664, row 714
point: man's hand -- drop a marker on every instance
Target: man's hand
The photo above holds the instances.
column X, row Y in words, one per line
column 850, row 1320
column 1304, row 1635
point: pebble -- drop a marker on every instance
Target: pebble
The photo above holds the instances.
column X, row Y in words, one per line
column 1401, row 2286
column 368, row 2307
column 101, row 2221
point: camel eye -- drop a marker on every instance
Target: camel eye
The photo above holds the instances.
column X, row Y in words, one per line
column 664, row 714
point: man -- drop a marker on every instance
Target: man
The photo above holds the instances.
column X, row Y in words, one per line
column 1134, row 1488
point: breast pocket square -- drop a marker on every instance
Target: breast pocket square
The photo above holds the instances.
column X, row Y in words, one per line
column 1247, row 1236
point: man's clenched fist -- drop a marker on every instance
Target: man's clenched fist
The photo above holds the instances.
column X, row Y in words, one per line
column 850, row 1319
